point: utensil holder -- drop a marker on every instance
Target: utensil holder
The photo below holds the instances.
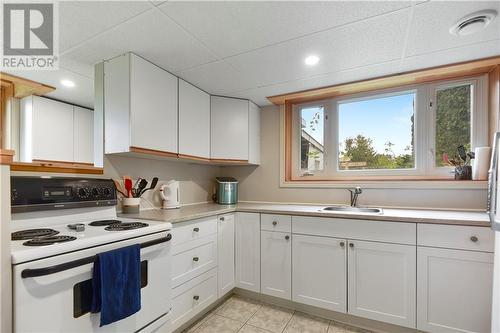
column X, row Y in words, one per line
column 131, row 205
column 463, row 172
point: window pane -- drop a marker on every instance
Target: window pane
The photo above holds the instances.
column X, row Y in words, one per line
column 377, row 133
column 311, row 139
column 453, row 121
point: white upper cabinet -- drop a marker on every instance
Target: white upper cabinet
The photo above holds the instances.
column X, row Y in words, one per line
column 140, row 106
column 319, row 270
column 225, row 240
column 229, row 129
column 247, row 238
column 83, row 135
column 55, row 131
column 194, row 121
column 382, row 282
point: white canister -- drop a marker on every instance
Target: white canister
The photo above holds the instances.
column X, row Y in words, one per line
column 131, row 205
column 481, row 163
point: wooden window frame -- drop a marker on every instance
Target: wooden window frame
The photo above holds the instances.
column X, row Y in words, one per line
column 429, row 77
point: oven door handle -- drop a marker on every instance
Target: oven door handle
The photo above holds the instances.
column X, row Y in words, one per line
column 27, row 273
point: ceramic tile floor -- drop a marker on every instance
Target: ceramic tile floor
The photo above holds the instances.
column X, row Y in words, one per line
column 238, row 314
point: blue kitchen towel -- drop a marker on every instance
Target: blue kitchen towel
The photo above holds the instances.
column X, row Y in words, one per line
column 116, row 284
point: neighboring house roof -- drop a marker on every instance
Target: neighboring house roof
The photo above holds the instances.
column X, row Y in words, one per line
column 312, row 141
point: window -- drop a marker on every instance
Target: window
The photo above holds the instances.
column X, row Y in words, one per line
column 399, row 133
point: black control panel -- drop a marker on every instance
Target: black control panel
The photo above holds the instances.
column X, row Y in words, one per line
column 46, row 193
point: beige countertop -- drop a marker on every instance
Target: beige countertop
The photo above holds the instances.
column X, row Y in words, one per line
column 393, row 215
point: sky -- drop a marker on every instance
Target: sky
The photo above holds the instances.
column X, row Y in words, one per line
column 383, row 119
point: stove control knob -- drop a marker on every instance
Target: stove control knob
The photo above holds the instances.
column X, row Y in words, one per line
column 95, row 192
column 106, row 191
column 83, row 192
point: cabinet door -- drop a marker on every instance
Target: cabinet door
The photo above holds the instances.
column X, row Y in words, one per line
column 194, row 121
column 83, row 135
column 319, row 272
column 229, row 128
column 253, row 133
column 225, row 254
column 276, row 264
column 454, row 290
column 248, row 251
column 52, row 130
column 153, row 105
column 382, row 281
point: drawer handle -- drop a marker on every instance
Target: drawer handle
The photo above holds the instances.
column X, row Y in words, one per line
column 351, row 244
column 474, row 239
column 222, row 218
column 196, row 258
column 196, row 297
column 342, row 244
column 287, row 237
column 274, row 222
column 196, row 229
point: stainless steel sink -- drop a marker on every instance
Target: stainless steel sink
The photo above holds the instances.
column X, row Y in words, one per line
column 349, row 209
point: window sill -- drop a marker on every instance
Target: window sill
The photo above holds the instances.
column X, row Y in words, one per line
column 438, row 184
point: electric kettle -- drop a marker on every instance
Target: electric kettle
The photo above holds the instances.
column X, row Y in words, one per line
column 169, row 193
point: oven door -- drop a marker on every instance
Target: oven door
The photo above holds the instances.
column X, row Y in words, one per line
column 58, row 300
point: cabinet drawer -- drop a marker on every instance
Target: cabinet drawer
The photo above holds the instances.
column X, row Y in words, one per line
column 456, row 237
column 195, row 229
column 380, row 231
column 193, row 259
column 282, row 223
column 192, row 297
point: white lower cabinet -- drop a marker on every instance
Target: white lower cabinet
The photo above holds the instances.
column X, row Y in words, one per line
column 276, row 264
column 454, row 290
column 247, row 251
column 319, row 272
column 191, row 298
column 382, row 282
column 225, row 241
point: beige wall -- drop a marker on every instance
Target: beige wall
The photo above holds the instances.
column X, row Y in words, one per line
column 262, row 183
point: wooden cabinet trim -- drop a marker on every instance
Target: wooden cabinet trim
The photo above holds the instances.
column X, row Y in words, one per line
column 57, row 167
column 6, row 156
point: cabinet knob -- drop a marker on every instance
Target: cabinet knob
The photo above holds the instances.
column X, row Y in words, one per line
column 351, row 244
column 196, row 258
column 474, row 239
column 287, row 237
column 274, row 222
column 342, row 244
column 222, row 218
column 196, row 229
column 196, row 297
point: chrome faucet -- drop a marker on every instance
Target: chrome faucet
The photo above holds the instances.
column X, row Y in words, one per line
column 354, row 195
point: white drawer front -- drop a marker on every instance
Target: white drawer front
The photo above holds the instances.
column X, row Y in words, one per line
column 193, row 259
column 456, row 237
column 270, row 222
column 389, row 232
column 195, row 229
column 192, row 297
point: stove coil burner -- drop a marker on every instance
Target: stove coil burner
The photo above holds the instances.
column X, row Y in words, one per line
column 40, row 241
column 32, row 233
column 102, row 223
column 125, row 226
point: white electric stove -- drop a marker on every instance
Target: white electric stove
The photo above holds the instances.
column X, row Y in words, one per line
column 58, row 226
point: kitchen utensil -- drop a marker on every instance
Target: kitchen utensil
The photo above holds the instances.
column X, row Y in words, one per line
column 142, row 185
column 153, row 185
column 462, row 153
column 128, row 187
column 119, row 188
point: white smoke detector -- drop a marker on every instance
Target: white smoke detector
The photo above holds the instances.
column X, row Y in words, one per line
column 473, row 23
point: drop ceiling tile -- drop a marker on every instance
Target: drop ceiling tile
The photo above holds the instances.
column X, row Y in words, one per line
column 81, row 94
column 449, row 56
column 368, row 42
column 432, row 21
column 81, row 20
column 233, row 27
column 152, row 35
column 217, row 77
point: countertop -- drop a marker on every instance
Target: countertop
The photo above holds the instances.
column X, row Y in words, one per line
column 479, row 219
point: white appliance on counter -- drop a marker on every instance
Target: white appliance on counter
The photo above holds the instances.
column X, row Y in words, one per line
column 169, row 194
column 493, row 198
column 58, row 226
